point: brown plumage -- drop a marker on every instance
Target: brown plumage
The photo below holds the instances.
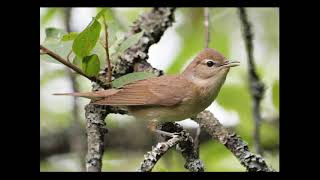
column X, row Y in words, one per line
column 170, row 97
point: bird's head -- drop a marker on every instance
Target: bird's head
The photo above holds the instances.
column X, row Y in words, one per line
column 207, row 64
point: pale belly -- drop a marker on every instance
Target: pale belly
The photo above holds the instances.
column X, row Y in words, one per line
column 165, row 113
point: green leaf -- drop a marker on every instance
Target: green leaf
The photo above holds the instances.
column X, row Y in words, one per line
column 54, row 33
column 131, row 77
column 70, row 36
column 91, row 65
column 77, row 61
column 130, row 41
column 275, row 94
column 101, row 13
column 87, row 39
column 101, row 52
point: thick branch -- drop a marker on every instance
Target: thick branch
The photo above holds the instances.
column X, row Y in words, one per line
column 183, row 142
column 232, row 141
column 188, row 147
column 96, row 129
column 153, row 24
column 256, row 86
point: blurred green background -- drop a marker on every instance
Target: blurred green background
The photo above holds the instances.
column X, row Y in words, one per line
column 62, row 148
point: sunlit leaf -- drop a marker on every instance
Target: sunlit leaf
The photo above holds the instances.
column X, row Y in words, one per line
column 131, row 77
column 91, row 65
column 87, row 39
column 77, row 61
column 101, row 13
column 69, row 36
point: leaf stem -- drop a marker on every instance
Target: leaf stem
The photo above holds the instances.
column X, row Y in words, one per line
column 107, row 51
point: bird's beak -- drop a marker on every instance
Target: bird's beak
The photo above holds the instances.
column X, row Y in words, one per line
column 231, row 63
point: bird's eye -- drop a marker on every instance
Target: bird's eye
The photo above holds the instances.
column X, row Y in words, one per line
column 210, row 63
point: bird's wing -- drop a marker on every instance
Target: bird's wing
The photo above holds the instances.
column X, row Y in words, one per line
column 155, row 91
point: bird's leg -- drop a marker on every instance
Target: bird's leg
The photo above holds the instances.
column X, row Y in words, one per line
column 152, row 126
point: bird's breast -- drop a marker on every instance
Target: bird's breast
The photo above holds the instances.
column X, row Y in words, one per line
column 164, row 113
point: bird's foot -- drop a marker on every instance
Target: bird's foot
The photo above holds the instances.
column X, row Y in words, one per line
column 164, row 133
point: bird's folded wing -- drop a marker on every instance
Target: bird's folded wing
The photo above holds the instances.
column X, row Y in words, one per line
column 163, row 91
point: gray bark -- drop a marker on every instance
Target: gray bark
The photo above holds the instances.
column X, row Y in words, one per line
column 233, row 142
column 183, row 142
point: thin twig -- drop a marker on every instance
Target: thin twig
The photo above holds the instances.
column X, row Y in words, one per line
column 107, row 52
column 206, row 27
column 256, row 86
column 233, row 142
column 65, row 62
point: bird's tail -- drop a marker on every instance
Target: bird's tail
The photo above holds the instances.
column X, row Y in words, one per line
column 90, row 95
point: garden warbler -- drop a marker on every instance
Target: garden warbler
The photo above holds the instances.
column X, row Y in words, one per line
column 170, row 97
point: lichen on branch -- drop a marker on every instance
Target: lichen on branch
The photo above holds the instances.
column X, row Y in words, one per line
column 184, row 144
column 231, row 141
column 153, row 24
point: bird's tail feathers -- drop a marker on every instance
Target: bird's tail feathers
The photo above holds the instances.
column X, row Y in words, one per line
column 90, row 95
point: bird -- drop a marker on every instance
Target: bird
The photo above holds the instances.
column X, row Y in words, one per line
column 169, row 98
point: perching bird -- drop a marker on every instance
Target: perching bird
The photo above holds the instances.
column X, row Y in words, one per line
column 170, row 97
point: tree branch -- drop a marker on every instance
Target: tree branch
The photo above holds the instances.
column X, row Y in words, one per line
column 183, row 142
column 65, row 62
column 256, row 86
column 232, row 141
column 153, row 24
column 96, row 129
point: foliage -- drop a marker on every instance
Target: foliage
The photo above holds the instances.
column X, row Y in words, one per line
column 91, row 65
column 90, row 55
column 87, row 39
